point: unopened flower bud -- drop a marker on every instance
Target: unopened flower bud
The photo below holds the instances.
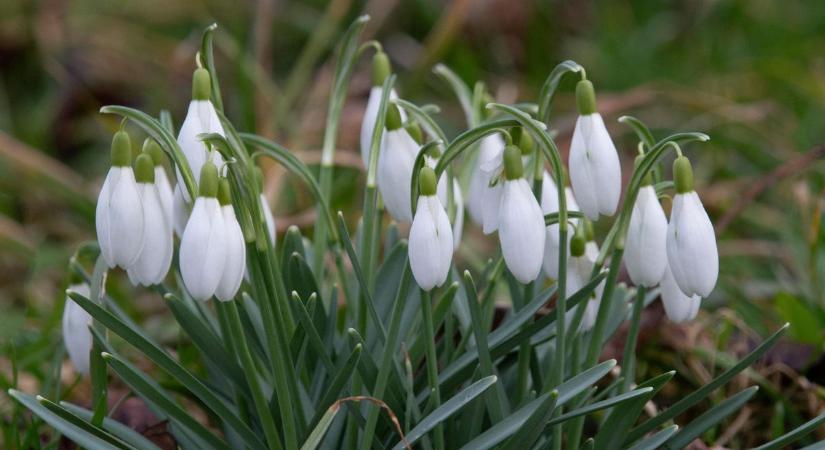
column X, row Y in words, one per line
column 431, row 237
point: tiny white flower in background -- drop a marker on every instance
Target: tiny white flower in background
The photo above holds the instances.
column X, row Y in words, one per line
column 119, row 214
column 579, row 271
column 77, row 338
column 645, row 252
column 155, row 257
column 595, row 171
column 678, row 306
column 490, row 151
column 549, row 205
column 161, row 180
column 691, row 241
column 200, row 118
column 431, row 237
column 520, row 223
column 235, row 265
column 203, row 248
column 395, row 166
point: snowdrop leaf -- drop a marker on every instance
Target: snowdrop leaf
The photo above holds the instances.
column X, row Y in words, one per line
column 461, row 90
column 655, row 441
column 710, row 418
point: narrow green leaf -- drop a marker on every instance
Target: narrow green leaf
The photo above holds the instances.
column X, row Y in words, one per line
column 462, row 91
column 532, row 428
column 115, row 428
column 793, row 435
column 317, row 435
column 710, row 418
column 600, row 405
column 653, row 442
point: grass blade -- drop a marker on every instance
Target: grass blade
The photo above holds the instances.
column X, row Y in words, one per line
column 653, row 442
column 709, row 419
column 794, row 435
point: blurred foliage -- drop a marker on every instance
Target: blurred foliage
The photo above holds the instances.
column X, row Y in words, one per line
column 748, row 72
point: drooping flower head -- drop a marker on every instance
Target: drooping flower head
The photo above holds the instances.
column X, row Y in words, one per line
column 119, row 213
column 395, row 166
column 691, row 241
column 579, row 270
column 151, row 147
column 235, row 265
column 678, row 306
column 490, row 151
column 203, row 248
column 646, row 245
column 381, row 69
column 77, row 338
column 595, row 172
column 520, row 221
column 155, row 257
column 550, row 205
column 431, row 238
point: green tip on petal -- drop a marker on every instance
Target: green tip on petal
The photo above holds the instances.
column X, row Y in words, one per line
column 414, row 131
column 151, row 147
column 224, row 192
column 393, row 121
column 121, row 149
column 682, row 175
column 578, row 242
column 647, row 180
column 380, row 68
column 201, row 84
column 585, row 97
column 144, row 169
column 513, row 167
column 426, row 181
column 589, row 234
column 209, row 180
column 522, row 139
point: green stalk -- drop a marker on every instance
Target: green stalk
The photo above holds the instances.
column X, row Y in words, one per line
column 523, row 360
column 97, row 364
column 629, row 355
column 230, row 311
column 432, row 363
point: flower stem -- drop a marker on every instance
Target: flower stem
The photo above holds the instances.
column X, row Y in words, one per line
column 629, row 355
column 432, row 362
column 96, row 362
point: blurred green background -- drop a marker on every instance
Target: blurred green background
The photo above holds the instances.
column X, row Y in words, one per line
column 751, row 73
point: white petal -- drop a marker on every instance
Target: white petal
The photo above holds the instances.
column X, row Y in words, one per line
column 124, row 218
column 235, row 256
column 691, row 246
column 76, row 335
column 430, row 244
column 102, row 225
column 595, row 172
column 165, row 192
column 395, row 165
column 646, row 251
column 203, row 249
column 491, row 150
column 180, row 210
column 458, row 225
column 521, row 230
column 549, row 205
column 370, row 116
column 678, row 306
column 490, row 204
column 200, row 118
column 155, row 258
column 269, row 218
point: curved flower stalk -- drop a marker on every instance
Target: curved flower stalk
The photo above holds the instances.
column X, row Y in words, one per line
column 203, row 249
column 235, row 266
column 200, row 118
column 691, row 241
column 77, row 338
column 119, row 214
column 151, row 147
column 520, row 221
column 155, row 257
column 491, row 149
column 646, row 245
column 678, row 306
column 550, row 205
column 431, row 237
column 595, row 172
column 395, row 166
column 380, row 71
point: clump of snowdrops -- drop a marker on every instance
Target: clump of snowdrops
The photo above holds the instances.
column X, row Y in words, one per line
column 377, row 337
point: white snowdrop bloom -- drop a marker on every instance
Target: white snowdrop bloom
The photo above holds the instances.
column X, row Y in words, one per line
column 520, row 222
column 269, row 218
column 77, row 338
column 380, row 71
column 645, row 252
column 180, row 210
column 155, row 258
column 235, row 265
column 203, row 248
column 431, row 237
column 490, row 149
column 549, row 205
column 678, row 306
column 161, row 180
column 119, row 214
column 395, row 166
column 458, row 222
column 200, row 118
column 579, row 271
column 691, row 241
column 595, row 172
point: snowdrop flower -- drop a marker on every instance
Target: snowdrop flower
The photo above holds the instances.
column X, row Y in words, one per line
column 549, row 205
column 119, row 214
column 678, row 306
column 77, row 338
column 235, row 265
column 200, row 118
column 155, row 258
column 645, row 248
column 595, row 173
column 520, row 221
column 203, row 249
column 161, row 180
column 395, row 165
column 380, row 71
column 180, row 210
column 580, row 267
column 691, row 242
column 431, row 238
column 491, row 149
